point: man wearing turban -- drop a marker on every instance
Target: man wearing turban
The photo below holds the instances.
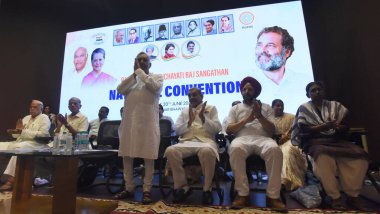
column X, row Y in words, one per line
column 252, row 124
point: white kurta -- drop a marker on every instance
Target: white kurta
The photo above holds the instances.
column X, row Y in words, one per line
column 198, row 134
column 95, row 125
column 253, row 139
column 139, row 131
column 33, row 128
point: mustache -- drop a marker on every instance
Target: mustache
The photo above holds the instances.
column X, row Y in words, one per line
column 264, row 54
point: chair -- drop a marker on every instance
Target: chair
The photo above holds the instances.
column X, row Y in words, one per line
column 165, row 141
column 359, row 138
column 254, row 165
column 115, row 181
column 219, row 170
column 108, row 139
column 108, row 134
column 359, row 135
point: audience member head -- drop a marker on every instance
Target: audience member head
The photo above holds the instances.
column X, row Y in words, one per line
column 315, row 91
column 195, row 97
column 250, row 89
column 47, row 109
column 103, row 112
column 278, row 107
column 144, row 62
column 74, row 105
column 35, row 108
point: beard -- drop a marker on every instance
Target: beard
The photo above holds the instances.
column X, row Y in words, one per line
column 248, row 98
column 275, row 61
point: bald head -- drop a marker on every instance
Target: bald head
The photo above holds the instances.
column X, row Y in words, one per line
column 35, row 108
column 80, row 59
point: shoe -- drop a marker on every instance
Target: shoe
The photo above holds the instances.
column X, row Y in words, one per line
column 207, row 198
column 240, row 202
column 180, row 195
column 337, row 204
column 146, row 198
column 276, row 204
column 8, row 186
column 123, row 195
column 355, row 203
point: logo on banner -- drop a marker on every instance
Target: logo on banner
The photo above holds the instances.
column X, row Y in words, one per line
column 99, row 38
column 246, row 18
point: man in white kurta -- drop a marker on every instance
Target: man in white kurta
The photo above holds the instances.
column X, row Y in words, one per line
column 252, row 124
column 197, row 126
column 27, row 130
column 139, row 130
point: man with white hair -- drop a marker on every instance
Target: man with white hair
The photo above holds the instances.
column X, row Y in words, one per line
column 27, row 131
column 72, row 78
column 74, row 122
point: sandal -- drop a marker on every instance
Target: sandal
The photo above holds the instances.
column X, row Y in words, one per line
column 123, row 195
column 147, row 198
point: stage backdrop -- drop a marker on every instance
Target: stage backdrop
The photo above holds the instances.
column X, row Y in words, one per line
column 189, row 51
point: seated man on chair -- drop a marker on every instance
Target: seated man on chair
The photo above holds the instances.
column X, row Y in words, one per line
column 95, row 124
column 27, row 131
column 196, row 126
column 252, row 124
column 73, row 123
column 320, row 127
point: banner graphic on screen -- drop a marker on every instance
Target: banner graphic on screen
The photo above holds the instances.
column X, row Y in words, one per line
column 212, row 51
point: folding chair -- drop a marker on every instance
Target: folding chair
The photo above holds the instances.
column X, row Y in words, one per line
column 254, row 165
column 219, row 170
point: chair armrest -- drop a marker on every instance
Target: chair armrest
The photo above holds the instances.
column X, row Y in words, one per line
column 361, row 133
